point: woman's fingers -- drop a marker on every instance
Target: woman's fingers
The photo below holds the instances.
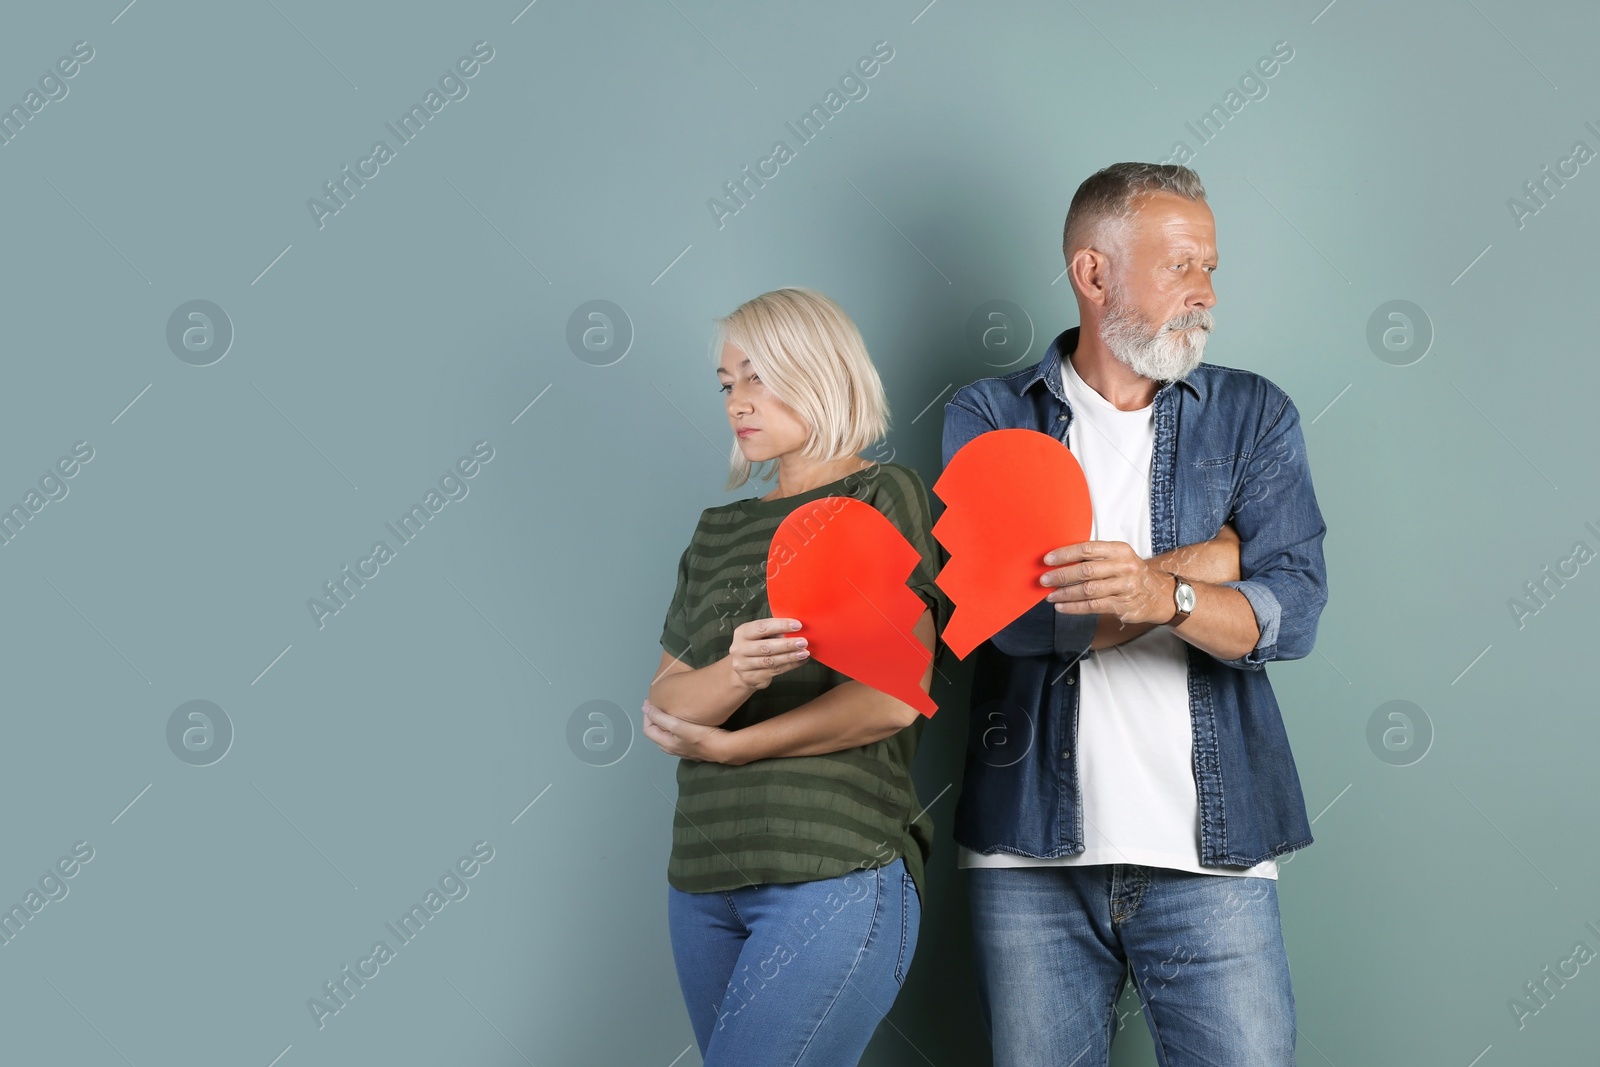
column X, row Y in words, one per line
column 663, row 738
column 762, row 649
column 768, row 637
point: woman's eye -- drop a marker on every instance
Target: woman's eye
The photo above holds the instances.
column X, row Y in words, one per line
column 724, row 388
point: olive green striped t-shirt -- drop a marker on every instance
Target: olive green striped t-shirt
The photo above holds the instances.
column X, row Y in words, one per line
column 792, row 818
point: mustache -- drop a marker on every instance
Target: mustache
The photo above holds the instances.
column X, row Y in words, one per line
column 1199, row 318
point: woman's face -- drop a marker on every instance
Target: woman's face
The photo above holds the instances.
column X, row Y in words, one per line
column 764, row 426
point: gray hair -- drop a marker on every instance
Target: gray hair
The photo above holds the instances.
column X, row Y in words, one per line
column 1107, row 196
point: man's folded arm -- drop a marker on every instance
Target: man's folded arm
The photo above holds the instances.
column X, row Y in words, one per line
column 1281, row 529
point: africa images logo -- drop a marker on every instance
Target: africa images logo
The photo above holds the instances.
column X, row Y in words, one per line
column 452, row 83
column 343, row 987
column 452, row 486
column 852, row 86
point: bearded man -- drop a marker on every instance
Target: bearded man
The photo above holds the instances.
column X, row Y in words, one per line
column 1129, row 782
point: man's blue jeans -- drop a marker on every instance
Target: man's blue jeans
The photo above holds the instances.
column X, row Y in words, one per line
column 794, row 974
column 1054, row 946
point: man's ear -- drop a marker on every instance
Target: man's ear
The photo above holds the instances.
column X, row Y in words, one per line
column 1090, row 270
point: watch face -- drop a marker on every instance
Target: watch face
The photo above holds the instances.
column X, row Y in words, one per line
column 1185, row 597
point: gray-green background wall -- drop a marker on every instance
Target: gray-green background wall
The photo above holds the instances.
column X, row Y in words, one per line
column 363, row 355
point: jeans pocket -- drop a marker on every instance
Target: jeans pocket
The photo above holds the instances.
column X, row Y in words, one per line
column 910, row 924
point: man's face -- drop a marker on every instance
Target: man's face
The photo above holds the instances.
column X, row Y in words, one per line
column 1157, row 313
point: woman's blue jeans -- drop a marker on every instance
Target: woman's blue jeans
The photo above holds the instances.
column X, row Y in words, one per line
column 794, row 974
column 1055, row 944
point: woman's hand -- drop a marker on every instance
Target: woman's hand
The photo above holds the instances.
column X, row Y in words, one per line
column 684, row 739
column 760, row 652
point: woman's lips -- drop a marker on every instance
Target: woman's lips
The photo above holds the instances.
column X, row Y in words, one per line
column 747, row 431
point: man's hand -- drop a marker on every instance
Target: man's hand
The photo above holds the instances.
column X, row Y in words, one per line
column 1216, row 560
column 1109, row 578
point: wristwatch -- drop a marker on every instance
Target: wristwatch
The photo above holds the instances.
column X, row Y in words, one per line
column 1182, row 598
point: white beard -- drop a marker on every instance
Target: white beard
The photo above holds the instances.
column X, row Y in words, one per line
column 1165, row 354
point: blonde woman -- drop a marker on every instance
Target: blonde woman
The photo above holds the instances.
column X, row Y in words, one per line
column 798, row 844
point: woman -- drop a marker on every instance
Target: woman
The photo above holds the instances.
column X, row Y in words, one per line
column 794, row 883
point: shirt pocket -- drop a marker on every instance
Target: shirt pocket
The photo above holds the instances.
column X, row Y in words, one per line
column 1217, row 475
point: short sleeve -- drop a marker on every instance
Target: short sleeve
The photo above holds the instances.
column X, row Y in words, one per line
column 675, row 630
column 903, row 499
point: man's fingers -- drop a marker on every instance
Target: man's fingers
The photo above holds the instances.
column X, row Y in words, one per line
column 1109, row 565
column 1101, row 589
column 1093, row 606
column 1071, row 574
column 1087, row 550
column 1073, row 553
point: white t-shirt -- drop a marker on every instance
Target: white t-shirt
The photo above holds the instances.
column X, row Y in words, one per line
column 1135, row 746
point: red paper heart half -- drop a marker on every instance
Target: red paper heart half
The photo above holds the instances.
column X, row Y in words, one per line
column 840, row 566
column 1010, row 497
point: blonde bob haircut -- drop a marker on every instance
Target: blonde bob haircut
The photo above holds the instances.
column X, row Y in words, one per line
column 810, row 356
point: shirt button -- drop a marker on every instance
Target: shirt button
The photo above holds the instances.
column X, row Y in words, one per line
column 1067, row 754
column 1061, row 418
column 1070, row 680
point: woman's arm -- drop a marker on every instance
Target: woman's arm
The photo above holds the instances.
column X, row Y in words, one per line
column 759, row 651
column 849, row 715
column 706, row 696
column 1216, row 560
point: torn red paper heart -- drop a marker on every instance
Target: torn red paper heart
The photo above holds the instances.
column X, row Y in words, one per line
column 1010, row 497
column 840, row 566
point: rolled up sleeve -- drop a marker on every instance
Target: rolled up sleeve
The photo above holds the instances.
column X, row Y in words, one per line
column 1283, row 574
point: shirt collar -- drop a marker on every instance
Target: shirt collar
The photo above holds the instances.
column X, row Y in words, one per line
column 1048, row 369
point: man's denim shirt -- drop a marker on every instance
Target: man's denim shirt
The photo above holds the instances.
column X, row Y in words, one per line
column 1228, row 447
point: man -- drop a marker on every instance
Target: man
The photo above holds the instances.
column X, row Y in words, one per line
column 1129, row 781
